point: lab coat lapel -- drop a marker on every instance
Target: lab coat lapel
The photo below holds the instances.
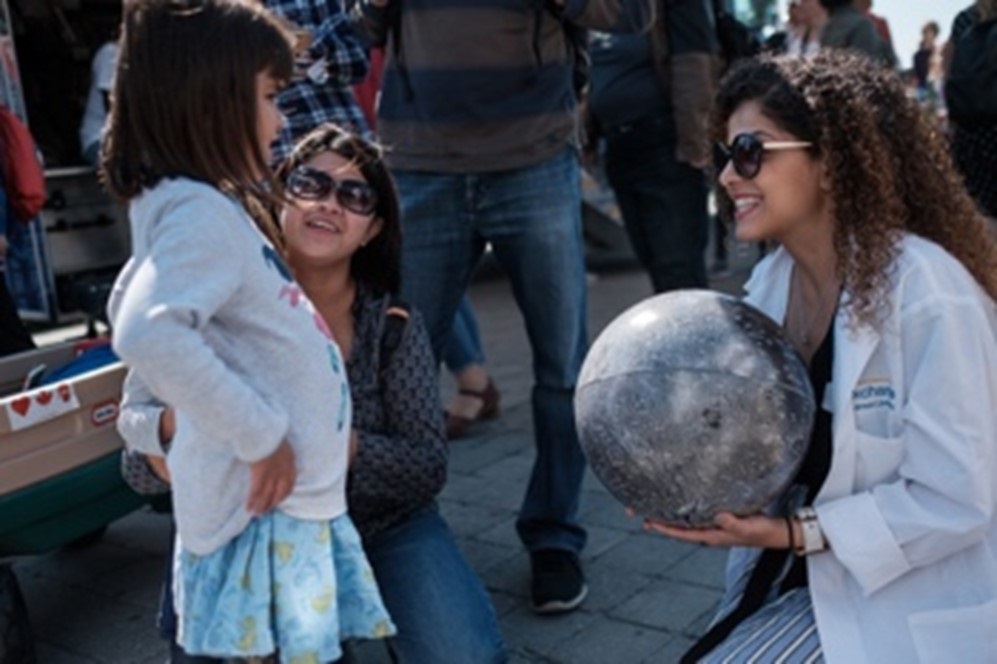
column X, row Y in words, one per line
column 768, row 289
column 852, row 350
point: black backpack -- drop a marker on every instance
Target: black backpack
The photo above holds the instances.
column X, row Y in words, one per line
column 971, row 84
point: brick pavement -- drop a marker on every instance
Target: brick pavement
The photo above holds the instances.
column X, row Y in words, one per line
column 648, row 595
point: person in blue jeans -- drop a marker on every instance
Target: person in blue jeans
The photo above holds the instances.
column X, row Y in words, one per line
column 477, row 397
column 650, row 99
column 478, row 102
column 343, row 244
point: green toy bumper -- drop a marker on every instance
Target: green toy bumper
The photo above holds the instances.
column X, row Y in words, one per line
column 60, row 510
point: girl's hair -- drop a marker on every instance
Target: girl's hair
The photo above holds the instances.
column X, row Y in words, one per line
column 889, row 168
column 831, row 5
column 376, row 265
column 184, row 97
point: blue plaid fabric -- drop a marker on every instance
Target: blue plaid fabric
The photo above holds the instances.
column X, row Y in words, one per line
column 335, row 60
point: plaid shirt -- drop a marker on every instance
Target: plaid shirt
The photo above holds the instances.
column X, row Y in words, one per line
column 335, row 60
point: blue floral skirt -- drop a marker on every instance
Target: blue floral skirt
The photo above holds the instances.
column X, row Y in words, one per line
column 284, row 585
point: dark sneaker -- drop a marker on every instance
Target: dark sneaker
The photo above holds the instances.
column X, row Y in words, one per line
column 558, row 581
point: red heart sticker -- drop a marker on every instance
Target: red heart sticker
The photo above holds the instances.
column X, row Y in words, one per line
column 44, row 397
column 21, row 406
column 64, row 392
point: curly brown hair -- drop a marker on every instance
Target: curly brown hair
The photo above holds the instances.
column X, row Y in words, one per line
column 889, row 168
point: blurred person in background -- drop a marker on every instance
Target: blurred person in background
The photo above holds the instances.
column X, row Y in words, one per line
column 927, row 57
column 813, row 16
column 650, row 100
column 797, row 36
column 880, row 23
column 974, row 131
column 98, row 100
column 848, row 28
column 329, row 58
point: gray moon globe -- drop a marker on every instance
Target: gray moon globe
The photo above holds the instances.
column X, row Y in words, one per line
column 691, row 403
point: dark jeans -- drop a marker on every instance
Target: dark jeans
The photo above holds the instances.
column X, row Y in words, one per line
column 663, row 202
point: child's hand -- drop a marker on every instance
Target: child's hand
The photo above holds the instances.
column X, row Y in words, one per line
column 271, row 480
column 167, row 427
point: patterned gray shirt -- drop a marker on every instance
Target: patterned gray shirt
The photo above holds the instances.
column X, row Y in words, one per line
column 402, row 460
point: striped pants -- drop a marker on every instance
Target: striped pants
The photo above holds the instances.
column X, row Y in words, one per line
column 782, row 631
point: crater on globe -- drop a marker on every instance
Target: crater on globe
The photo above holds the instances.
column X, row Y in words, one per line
column 691, row 403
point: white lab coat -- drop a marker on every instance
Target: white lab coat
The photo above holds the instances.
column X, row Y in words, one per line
column 909, row 503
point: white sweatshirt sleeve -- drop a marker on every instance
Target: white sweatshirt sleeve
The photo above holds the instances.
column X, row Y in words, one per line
column 186, row 268
column 138, row 422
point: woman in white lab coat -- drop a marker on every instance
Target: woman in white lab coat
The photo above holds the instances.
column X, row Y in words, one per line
column 885, row 281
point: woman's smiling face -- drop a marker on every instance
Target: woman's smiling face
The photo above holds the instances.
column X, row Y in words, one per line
column 786, row 194
column 323, row 232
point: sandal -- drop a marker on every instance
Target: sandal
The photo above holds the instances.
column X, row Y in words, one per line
column 459, row 426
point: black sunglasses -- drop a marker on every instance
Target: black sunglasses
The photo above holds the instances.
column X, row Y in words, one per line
column 746, row 152
column 311, row 184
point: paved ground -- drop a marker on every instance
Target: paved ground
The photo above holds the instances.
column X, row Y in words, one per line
column 648, row 597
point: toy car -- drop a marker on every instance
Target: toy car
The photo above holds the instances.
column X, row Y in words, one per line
column 60, row 477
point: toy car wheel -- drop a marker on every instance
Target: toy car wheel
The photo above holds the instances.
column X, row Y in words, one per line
column 16, row 644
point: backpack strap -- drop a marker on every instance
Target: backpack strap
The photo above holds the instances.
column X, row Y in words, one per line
column 396, row 318
column 395, row 28
column 576, row 38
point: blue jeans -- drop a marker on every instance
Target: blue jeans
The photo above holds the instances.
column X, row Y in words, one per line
column 463, row 348
column 663, row 202
column 532, row 218
column 435, row 599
